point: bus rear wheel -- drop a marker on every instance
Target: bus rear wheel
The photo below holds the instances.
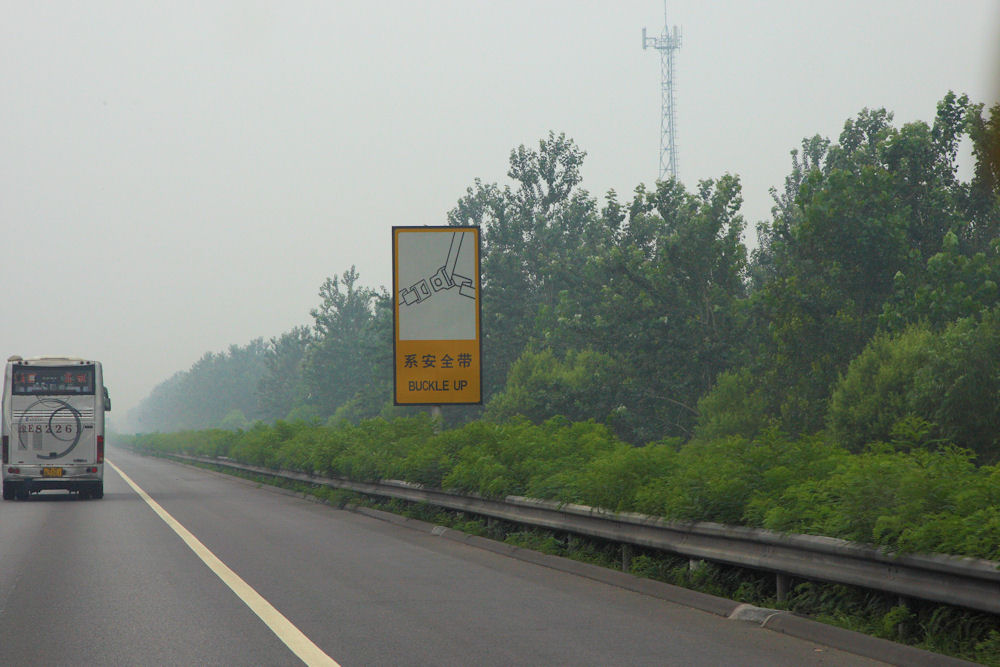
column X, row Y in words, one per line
column 8, row 492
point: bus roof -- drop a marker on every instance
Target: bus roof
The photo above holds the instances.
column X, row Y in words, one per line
column 49, row 360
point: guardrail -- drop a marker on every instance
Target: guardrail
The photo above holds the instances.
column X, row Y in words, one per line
column 964, row 582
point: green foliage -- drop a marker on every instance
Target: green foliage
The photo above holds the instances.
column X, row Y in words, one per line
column 614, row 479
column 734, row 480
column 661, row 275
column 949, row 379
column 201, row 397
column 952, row 285
column 533, row 235
column 987, row 651
column 856, row 243
column 899, row 495
column 983, row 202
column 647, row 315
column 660, row 296
column 282, row 389
column 734, row 406
column 582, row 385
column 877, row 390
column 959, row 388
column 938, row 628
column 519, row 458
column 334, row 367
column 304, row 413
column 913, row 501
column 234, row 420
column 214, row 442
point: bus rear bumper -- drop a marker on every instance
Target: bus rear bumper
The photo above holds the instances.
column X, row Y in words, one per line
column 23, row 480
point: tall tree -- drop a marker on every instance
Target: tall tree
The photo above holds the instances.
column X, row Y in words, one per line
column 530, row 234
column 282, row 388
column 983, row 202
column 660, row 296
column 868, row 210
column 217, row 384
column 335, row 366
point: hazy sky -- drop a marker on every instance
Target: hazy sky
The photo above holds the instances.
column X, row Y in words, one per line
column 178, row 177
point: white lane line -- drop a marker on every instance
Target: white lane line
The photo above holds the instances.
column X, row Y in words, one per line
column 300, row 645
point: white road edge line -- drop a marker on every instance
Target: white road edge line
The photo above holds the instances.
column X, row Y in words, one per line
column 294, row 639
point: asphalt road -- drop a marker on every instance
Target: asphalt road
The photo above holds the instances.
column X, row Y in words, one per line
column 109, row 582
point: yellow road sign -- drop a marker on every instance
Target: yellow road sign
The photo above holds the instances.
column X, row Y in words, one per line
column 436, row 315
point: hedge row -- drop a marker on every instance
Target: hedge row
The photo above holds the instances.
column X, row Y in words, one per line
column 905, row 496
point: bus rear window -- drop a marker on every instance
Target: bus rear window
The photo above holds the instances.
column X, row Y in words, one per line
column 32, row 380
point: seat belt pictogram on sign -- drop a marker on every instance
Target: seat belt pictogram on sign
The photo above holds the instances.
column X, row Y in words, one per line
column 444, row 279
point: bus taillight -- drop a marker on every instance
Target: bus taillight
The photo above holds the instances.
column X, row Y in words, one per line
column 6, row 441
column 100, row 449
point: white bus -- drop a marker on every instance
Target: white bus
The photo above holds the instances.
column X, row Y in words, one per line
column 52, row 427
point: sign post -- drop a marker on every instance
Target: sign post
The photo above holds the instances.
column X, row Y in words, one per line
column 436, row 316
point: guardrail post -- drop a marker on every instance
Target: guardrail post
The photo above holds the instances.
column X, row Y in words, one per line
column 781, row 584
column 626, row 557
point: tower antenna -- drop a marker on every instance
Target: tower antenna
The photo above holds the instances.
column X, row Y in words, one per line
column 667, row 43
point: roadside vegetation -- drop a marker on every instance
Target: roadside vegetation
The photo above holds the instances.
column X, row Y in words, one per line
column 902, row 497
column 899, row 495
column 841, row 378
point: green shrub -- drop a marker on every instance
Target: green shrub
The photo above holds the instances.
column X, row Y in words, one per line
column 959, row 388
column 949, row 379
column 732, row 407
column 584, row 384
column 877, row 390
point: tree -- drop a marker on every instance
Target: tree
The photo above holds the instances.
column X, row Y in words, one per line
column 947, row 379
column 531, row 236
column 855, row 216
column 282, row 387
column 951, row 285
column 335, row 366
column 983, row 200
column 659, row 295
column 374, row 397
column 582, row 385
column 959, row 388
column 876, row 392
column 202, row 396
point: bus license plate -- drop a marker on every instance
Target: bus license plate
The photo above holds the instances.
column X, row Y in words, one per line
column 52, row 472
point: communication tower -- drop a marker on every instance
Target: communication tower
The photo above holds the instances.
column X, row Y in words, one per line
column 667, row 43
